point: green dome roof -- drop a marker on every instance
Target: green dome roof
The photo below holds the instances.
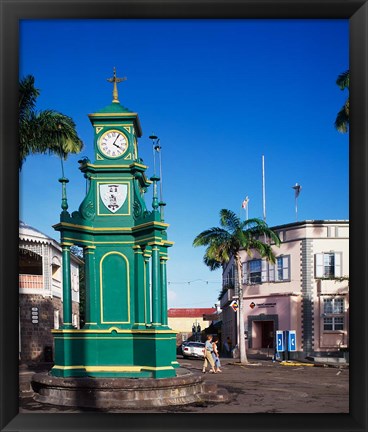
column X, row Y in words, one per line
column 114, row 108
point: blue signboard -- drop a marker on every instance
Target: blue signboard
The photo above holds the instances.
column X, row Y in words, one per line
column 280, row 346
column 291, row 340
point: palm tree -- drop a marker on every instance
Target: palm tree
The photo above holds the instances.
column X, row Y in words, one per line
column 227, row 241
column 342, row 118
column 44, row 131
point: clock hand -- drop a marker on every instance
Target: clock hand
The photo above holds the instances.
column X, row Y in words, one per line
column 115, row 140
column 116, row 145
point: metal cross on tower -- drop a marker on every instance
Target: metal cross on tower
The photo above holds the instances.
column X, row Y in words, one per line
column 115, row 80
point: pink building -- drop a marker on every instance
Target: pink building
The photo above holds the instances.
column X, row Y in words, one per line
column 306, row 290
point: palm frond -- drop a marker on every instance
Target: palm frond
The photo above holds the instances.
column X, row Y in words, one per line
column 342, row 119
column 235, row 235
column 264, row 249
column 229, row 220
column 343, row 116
column 45, row 131
column 343, row 80
column 258, row 228
column 210, row 235
column 211, row 263
column 27, row 95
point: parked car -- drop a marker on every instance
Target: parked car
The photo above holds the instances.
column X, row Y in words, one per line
column 193, row 349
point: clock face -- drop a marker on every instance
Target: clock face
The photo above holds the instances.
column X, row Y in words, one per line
column 113, row 144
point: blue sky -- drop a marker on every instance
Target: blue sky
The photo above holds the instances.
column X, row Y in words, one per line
column 219, row 94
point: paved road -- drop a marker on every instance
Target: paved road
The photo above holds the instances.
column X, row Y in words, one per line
column 260, row 387
column 266, row 387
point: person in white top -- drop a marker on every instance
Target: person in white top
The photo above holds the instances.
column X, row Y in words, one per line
column 208, row 355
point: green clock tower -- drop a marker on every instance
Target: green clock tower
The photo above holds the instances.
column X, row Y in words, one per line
column 125, row 245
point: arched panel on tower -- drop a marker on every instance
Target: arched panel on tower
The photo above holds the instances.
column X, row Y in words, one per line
column 114, row 289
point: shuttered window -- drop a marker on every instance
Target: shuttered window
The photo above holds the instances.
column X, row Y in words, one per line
column 255, row 271
column 280, row 271
column 260, row 271
column 328, row 265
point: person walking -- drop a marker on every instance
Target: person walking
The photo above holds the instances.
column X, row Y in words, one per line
column 215, row 354
column 208, row 355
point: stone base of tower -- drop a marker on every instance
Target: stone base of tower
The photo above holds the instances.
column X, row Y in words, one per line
column 115, row 353
column 114, row 393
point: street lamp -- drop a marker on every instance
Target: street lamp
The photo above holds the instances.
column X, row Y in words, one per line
column 63, row 180
column 156, row 148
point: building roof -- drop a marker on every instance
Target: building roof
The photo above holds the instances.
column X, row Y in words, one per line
column 312, row 222
column 28, row 233
column 116, row 110
column 190, row 312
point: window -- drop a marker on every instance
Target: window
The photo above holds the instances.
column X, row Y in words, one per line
column 279, row 271
column 258, row 271
column 228, row 280
column 56, row 268
column 29, row 262
column 328, row 265
column 333, row 305
column 333, row 309
column 254, row 272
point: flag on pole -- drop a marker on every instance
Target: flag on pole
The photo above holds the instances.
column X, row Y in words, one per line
column 245, row 203
column 297, row 189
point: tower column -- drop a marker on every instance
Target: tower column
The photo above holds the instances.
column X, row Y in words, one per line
column 140, row 298
column 90, row 276
column 147, row 291
column 163, row 261
column 67, row 293
column 155, row 286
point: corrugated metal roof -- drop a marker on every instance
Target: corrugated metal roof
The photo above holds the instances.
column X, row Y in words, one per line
column 31, row 234
column 26, row 232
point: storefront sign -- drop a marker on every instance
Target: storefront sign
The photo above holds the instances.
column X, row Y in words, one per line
column 266, row 305
column 234, row 305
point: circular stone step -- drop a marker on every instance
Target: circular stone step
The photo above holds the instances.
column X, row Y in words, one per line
column 185, row 388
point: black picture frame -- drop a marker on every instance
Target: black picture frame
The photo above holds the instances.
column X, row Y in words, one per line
column 14, row 10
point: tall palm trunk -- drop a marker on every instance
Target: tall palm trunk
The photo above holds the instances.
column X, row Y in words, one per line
column 241, row 339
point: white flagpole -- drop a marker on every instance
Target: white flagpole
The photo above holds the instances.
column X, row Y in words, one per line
column 297, row 188
column 263, row 189
column 245, row 204
column 296, row 208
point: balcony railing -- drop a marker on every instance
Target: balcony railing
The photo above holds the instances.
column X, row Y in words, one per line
column 30, row 281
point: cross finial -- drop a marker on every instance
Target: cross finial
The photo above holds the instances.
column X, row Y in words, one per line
column 115, row 80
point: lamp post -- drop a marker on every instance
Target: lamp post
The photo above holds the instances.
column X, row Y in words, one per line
column 156, row 148
column 63, row 180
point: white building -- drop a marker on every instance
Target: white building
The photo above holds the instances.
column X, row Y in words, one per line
column 41, row 294
column 306, row 290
